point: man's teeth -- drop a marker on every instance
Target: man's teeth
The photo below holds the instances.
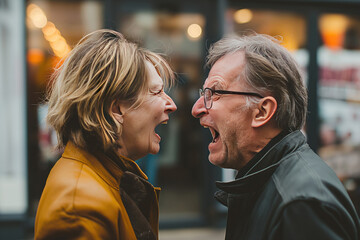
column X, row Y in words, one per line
column 206, row 127
column 213, row 134
column 214, row 137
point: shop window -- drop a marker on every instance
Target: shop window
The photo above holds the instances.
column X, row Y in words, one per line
column 289, row 27
column 339, row 94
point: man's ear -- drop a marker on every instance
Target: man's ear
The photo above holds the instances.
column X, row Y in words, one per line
column 117, row 111
column 265, row 110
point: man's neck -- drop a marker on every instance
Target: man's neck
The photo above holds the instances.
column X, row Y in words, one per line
column 261, row 139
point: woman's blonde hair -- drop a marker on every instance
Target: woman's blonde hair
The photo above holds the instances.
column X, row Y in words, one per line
column 103, row 68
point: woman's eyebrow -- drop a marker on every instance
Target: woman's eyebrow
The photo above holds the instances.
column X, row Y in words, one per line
column 157, row 86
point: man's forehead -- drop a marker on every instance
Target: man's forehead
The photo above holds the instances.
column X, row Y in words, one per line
column 230, row 62
column 227, row 69
column 215, row 80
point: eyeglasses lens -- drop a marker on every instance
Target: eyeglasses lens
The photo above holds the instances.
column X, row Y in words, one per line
column 207, row 98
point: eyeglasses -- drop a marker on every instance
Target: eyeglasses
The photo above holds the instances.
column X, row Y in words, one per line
column 208, row 93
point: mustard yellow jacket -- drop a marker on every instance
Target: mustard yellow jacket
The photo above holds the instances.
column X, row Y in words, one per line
column 89, row 198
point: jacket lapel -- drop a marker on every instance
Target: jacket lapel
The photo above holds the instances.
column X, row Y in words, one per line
column 137, row 195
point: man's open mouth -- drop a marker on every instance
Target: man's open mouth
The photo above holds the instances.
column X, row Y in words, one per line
column 215, row 134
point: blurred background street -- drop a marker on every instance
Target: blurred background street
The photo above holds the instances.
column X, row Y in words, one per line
column 35, row 35
column 193, row 234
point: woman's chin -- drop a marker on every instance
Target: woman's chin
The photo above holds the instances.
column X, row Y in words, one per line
column 155, row 148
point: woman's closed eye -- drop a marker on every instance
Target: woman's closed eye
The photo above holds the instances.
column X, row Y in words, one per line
column 157, row 92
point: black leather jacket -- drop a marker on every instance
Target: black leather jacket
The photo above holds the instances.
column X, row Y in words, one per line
column 288, row 193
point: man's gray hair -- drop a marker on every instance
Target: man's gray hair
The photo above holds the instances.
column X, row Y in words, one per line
column 270, row 70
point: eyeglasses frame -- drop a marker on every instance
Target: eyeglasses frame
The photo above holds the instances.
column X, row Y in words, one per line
column 202, row 94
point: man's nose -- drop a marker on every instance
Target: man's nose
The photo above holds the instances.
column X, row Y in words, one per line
column 199, row 108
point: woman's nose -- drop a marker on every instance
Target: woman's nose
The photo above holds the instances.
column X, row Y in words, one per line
column 199, row 108
column 170, row 105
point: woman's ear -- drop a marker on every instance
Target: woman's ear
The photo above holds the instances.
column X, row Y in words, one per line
column 116, row 111
column 265, row 110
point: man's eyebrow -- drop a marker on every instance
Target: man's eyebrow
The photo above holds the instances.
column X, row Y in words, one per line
column 214, row 85
column 216, row 81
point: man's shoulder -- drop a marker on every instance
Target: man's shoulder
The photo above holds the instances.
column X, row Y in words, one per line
column 304, row 175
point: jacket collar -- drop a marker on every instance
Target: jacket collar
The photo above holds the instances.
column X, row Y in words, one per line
column 263, row 168
column 105, row 167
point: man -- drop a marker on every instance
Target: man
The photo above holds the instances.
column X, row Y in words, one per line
column 254, row 103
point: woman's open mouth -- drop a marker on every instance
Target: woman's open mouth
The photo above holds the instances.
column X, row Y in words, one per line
column 159, row 127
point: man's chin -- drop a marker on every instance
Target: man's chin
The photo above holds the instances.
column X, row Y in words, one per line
column 216, row 160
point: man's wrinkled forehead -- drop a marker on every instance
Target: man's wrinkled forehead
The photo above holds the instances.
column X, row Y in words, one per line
column 227, row 69
column 215, row 82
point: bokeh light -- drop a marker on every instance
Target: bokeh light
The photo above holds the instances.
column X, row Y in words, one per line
column 243, row 16
column 37, row 18
column 194, row 31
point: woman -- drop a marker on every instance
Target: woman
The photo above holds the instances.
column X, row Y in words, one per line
column 106, row 100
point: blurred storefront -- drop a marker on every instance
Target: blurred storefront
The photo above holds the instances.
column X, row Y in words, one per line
column 13, row 149
column 324, row 37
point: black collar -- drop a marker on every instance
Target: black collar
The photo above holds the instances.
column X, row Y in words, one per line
column 245, row 170
column 264, row 163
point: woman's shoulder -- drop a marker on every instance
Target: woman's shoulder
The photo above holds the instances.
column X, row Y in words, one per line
column 76, row 197
column 79, row 184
